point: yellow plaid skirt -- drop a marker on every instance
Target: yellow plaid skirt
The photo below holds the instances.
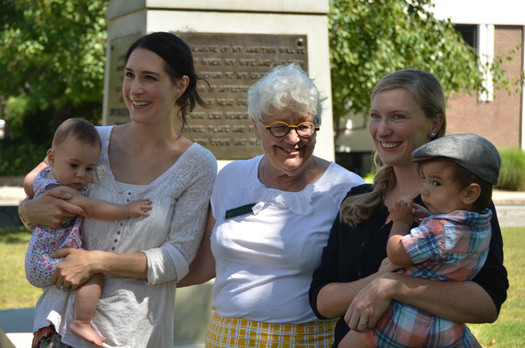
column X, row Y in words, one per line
column 226, row 332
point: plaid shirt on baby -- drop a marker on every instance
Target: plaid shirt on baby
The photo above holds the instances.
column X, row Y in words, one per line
column 450, row 247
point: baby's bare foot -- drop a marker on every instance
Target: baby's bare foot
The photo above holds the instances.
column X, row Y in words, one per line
column 87, row 332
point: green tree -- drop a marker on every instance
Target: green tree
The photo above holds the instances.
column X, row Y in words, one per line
column 51, row 63
column 371, row 38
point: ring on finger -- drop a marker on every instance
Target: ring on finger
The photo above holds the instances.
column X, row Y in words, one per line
column 65, row 222
column 365, row 323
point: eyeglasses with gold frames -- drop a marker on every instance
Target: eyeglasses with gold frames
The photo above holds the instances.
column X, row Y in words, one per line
column 280, row 129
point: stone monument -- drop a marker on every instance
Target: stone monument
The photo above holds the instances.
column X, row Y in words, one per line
column 234, row 43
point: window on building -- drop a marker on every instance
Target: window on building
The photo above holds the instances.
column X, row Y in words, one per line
column 469, row 32
column 480, row 39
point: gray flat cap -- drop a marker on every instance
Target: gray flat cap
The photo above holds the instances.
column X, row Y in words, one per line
column 474, row 153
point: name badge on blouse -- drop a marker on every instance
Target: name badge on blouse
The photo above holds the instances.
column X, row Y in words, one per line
column 245, row 209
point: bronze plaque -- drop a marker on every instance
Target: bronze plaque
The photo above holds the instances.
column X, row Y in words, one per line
column 231, row 63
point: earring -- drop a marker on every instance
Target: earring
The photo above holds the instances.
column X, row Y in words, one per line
column 432, row 134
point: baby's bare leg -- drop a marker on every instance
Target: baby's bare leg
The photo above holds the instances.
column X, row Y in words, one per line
column 352, row 340
column 86, row 300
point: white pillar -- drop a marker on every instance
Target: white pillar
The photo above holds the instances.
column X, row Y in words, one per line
column 486, row 55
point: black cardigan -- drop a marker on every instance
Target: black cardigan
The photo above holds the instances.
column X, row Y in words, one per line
column 355, row 253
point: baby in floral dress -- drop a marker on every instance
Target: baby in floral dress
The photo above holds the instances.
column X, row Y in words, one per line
column 72, row 161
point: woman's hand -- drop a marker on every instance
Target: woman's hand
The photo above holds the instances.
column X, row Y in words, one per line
column 370, row 303
column 76, row 268
column 51, row 208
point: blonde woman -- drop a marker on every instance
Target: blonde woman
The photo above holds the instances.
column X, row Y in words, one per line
column 355, row 278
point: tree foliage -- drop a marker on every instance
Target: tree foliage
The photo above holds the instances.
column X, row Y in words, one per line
column 372, row 38
column 52, row 62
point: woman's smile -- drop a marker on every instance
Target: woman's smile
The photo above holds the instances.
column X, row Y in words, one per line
column 390, row 145
column 290, row 151
column 139, row 104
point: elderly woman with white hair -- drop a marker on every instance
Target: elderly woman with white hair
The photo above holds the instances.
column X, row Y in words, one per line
column 270, row 218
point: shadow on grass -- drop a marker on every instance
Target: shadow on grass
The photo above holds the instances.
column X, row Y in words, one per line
column 14, row 235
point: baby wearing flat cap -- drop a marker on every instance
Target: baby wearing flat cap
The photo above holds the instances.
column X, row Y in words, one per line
column 448, row 240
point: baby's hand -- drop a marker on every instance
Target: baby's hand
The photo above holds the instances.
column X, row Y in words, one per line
column 139, row 207
column 419, row 212
column 401, row 211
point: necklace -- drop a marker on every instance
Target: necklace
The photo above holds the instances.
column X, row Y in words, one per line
column 267, row 183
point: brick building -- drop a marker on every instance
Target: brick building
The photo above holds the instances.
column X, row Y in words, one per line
column 495, row 29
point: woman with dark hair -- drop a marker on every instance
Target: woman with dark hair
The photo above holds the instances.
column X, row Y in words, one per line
column 356, row 282
column 142, row 259
column 177, row 66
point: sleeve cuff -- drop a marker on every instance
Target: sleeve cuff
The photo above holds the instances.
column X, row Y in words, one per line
column 165, row 264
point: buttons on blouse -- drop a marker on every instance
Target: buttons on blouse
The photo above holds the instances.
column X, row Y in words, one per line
column 115, row 241
column 118, row 233
column 129, row 198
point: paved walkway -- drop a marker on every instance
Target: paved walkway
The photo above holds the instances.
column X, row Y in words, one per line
column 509, row 205
column 18, row 325
column 11, row 195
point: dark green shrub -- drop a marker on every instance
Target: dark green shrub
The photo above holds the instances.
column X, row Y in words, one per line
column 512, row 172
column 19, row 156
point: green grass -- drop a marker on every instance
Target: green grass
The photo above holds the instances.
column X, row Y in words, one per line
column 15, row 289
column 507, row 331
